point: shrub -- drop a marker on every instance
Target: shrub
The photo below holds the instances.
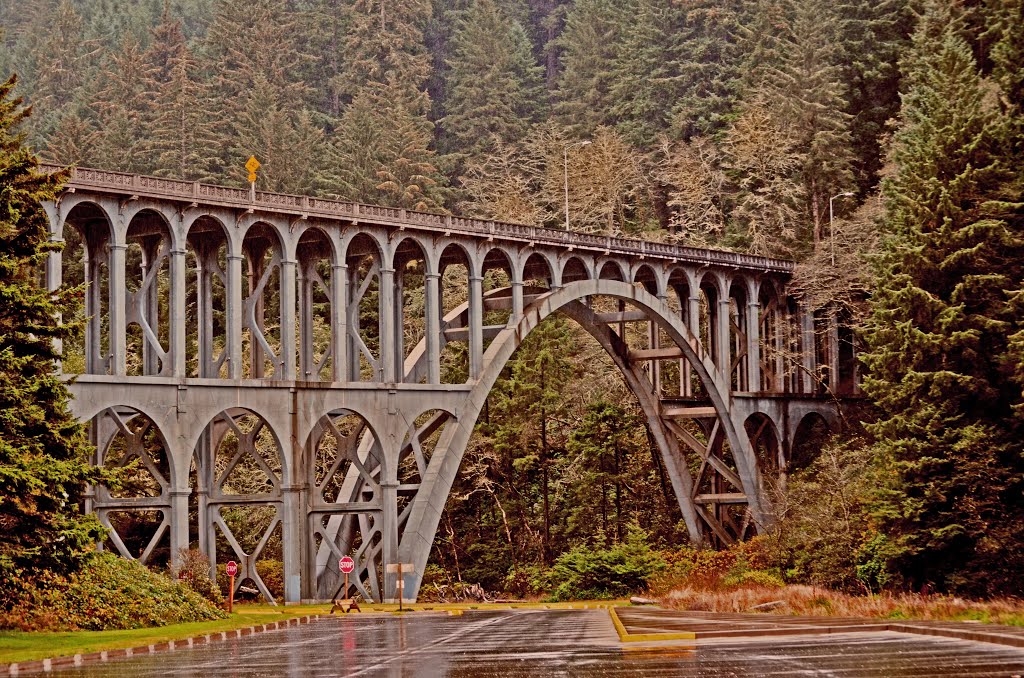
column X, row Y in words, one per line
column 194, row 572
column 588, row 573
column 107, row 593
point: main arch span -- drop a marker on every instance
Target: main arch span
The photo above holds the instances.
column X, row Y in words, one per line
column 298, row 378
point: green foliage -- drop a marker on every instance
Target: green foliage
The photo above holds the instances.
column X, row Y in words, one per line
column 107, row 593
column 952, row 511
column 589, row 572
column 194, row 571
column 43, row 448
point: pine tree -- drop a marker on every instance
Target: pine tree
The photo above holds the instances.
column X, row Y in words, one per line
column 591, row 40
column 385, row 45
column 937, row 338
column 795, row 73
column 121, row 104
column 180, row 132
column 494, row 87
column 380, row 152
column 43, row 465
column 252, row 42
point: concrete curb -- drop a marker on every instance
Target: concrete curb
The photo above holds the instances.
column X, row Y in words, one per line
column 980, row 635
column 55, row 663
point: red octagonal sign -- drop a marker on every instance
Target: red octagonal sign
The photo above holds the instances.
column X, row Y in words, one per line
column 231, row 568
column 346, row 565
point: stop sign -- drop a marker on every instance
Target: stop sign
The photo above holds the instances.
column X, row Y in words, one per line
column 346, row 565
column 231, row 568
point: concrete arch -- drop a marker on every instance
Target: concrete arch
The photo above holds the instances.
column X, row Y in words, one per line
column 535, row 261
column 646, row 275
column 611, row 269
column 169, row 216
column 574, row 268
column 430, row 501
column 371, row 236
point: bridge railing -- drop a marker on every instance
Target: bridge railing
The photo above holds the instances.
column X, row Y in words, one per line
column 306, row 205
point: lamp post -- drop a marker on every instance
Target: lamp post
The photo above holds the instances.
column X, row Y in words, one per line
column 565, row 168
column 831, row 227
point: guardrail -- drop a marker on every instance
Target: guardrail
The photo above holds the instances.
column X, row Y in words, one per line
column 193, row 191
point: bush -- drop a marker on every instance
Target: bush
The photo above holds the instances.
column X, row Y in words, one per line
column 194, row 572
column 107, row 593
column 588, row 573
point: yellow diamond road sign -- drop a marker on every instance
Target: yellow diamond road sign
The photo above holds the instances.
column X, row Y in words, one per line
column 252, row 165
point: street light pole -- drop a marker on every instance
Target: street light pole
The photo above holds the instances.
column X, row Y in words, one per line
column 831, row 226
column 565, row 169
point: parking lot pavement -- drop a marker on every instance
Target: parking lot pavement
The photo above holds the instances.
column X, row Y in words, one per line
column 488, row 643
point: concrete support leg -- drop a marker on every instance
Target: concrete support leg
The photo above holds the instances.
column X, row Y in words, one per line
column 807, row 350
column 517, row 303
column 179, row 524
column 118, row 326
column 234, row 316
column 753, row 346
column 432, row 291
column 833, row 350
column 399, row 325
column 177, row 327
column 476, row 326
column 339, row 322
column 293, row 530
column 386, row 318
column 723, row 333
column 389, row 535
column 288, row 283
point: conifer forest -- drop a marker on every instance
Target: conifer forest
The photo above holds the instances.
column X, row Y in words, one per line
column 878, row 143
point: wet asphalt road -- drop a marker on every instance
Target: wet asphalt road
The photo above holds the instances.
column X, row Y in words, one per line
column 552, row 643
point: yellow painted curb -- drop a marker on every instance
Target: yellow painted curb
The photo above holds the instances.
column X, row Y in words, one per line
column 626, row 637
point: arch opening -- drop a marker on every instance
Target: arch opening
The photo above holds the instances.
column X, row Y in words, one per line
column 206, row 311
column 262, row 311
column 314, row 260
column 85, row 261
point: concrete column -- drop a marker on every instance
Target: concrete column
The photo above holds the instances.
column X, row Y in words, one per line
column 399, row 324
column 693, row 323
column 234, row 316
column 476, row 326
column 355, row 374
column 118, row 325
column 432, row 290
column 178, row 524
column 723, row 342
column 293, row 535
column 781, row 332
column 287, row 320
column 517, row 303
column 833, row 350
column 339, row 322
column 389, row 534
column 753, row 346
column 386, row 318
column 177, row 327
column 807, row 350
column 54, row 279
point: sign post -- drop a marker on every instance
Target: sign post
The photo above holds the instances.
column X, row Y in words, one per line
column 399, row 568
column 252, row 165
column 232, row 569
column 346, row 566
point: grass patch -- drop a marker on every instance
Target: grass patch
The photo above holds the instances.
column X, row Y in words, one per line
column 808, row 600
column 21, row 646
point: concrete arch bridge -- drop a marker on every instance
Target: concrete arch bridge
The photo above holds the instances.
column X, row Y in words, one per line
column 282, row 363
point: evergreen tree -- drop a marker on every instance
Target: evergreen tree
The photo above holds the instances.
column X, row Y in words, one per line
column 43, row 465
column 494, row 87
column 251, row 43
column 121, row 104
column 181, row 135
column 953, row 516
column 379, row 153
column 385, row 45
column 795, row 74
column 591, row 40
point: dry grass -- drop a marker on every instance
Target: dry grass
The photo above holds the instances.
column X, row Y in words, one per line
column 809, row 600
